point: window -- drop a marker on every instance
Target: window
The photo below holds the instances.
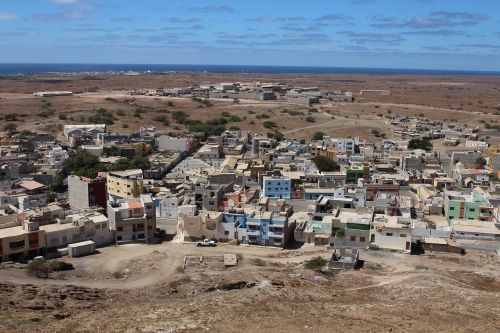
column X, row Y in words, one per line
column 362, row 239
column 452, row 208
column 16, row 245
column 402, row 235
column 269, row 189
column 98, row 226
column 119, row 229
column 226, row 232
column 118, row 238
column 353, row 238
column 472, row 209
column 389, row 234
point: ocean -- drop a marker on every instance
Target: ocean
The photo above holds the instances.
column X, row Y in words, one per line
column 17, row 69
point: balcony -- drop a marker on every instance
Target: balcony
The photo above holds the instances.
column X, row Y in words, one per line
column 253, row 232
column 276, row 234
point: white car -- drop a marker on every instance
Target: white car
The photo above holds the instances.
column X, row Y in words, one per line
column 206, row 242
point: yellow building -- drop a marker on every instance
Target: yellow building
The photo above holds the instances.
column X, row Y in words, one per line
column 16, row 242
column 317, row 150
column 125, row 184
column 19, row 238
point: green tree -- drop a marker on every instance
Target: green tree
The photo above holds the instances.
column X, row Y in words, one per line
column 137, row 162
column 10, row 127
column 316, row 263
column 42, row 268
column 318, row 136
column 324, row 163
column 276, row 135
column 424, row 144
column 269, row 124
column 84, row 164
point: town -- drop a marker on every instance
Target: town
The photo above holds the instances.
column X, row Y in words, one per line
column 426, row 185
column 292, row 194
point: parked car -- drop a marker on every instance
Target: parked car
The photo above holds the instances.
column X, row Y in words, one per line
column 206, row 242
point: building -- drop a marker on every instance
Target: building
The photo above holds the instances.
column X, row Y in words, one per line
column 276, row 187
column 475, row 230
column 461, row 206
column 132, row 220
column 203, row 224
column 209, row 197
column 210, row 151
column 167, row 203
column 353, row 174
column 52, row 93
column 391, row 233
column 317, row 231
column 268, row 228
column 167, row 143
column 467, row 158
column 71, row 131
column 125, row 184
column 351, row 227
column 85, row 192
column 19, row 239
column 78, row 227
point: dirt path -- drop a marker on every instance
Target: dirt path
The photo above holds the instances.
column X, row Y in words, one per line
column 110, row 260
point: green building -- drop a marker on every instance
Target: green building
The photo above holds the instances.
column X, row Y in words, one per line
column 355, row 173
column 473, row 206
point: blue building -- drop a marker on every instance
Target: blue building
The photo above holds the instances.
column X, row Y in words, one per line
column 255, row 227
column 277, row 187
column 266, row 228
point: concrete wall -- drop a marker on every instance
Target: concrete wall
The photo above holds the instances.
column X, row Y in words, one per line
column 391, row 242
column 78, row 193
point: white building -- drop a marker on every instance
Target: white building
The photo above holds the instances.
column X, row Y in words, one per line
column 167, row 143
column 78, row 227
column 391, row 233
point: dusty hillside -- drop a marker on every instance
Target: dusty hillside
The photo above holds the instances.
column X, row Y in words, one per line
column 464, row 100
column 145, row 289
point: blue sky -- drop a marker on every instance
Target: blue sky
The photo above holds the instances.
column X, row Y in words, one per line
column 431, row 34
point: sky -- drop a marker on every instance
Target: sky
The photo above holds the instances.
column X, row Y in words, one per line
column 419, row 34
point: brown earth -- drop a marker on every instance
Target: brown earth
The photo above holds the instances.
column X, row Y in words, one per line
column 392, row 292
column 463, row 100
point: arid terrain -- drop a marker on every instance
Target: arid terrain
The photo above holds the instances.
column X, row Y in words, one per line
column 141, row 288
column 178, row 287
column 473, row 101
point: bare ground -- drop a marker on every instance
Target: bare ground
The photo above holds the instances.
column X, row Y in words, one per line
column 470, row 101
column 392, row 292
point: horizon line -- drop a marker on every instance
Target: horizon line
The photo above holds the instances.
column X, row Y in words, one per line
column 496, row 72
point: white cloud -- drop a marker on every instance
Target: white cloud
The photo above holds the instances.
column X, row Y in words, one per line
column 7, row 16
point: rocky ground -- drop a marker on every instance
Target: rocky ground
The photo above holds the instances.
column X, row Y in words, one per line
column 269, row 291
